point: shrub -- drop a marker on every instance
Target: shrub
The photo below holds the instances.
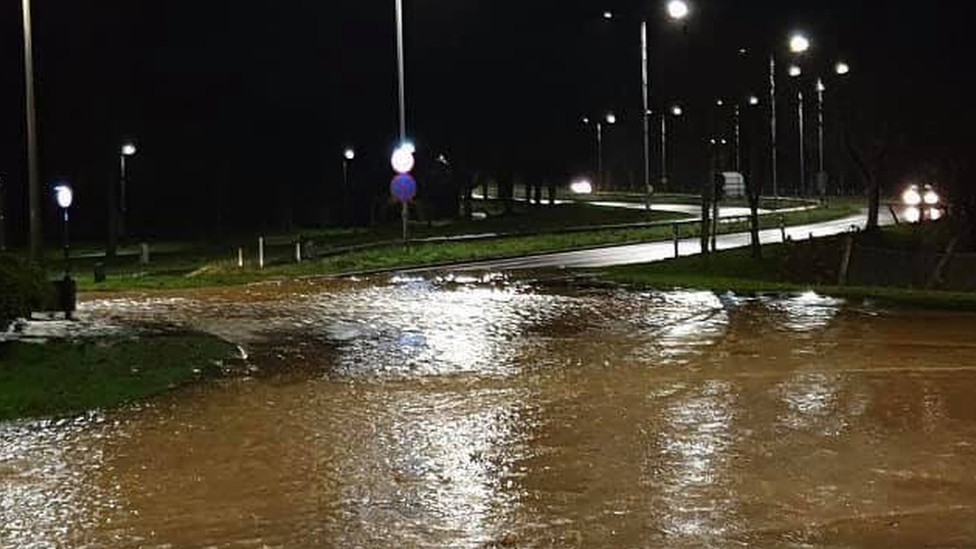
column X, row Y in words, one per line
column 23, row 289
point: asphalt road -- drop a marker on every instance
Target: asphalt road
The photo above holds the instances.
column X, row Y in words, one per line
column 658, row 251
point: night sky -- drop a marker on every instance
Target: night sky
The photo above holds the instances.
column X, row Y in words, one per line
column 242, row 108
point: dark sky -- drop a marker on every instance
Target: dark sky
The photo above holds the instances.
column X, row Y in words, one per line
column 241, row 107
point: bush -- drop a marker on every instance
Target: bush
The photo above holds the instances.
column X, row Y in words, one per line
column 23, row 289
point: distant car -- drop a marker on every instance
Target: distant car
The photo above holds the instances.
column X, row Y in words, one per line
column 922, row 204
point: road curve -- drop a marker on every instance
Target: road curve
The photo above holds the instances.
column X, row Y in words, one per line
column 653, row 251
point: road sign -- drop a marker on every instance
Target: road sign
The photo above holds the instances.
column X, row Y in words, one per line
column 404, row 188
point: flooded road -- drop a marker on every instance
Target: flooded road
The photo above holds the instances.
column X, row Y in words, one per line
column 486, row 412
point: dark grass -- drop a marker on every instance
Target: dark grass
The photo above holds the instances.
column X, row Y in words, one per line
column 64, row 378
column 204, row 273
column 738, row 272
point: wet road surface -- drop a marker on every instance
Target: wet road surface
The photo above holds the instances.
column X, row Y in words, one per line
column 635, row 254
column 484, row 412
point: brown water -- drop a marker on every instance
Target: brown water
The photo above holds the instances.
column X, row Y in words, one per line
column 490, row 413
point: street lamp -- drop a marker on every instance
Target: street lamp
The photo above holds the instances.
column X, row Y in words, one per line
column 610, row 119
column 677, row 10
column 64, row 197
column 842, row 68
column 348, row 156
column 676, row 111
column 128, row 150
column 796, row 72
column 403, row 160
column 799, row 43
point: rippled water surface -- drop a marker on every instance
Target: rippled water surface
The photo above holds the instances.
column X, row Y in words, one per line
column 456, row 413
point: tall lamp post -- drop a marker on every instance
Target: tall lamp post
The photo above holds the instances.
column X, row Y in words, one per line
column 403, row 157
column 737, row 108
column 33, row 168
column 798, row 44
column 797, row 72
column 610, row 119
column 841, row 69
column 65, row 197
column 677, row 10
column 348, row 156
column 675, row 111
column 127, row 151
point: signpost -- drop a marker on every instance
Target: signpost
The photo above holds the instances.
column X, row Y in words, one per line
column 404, row 186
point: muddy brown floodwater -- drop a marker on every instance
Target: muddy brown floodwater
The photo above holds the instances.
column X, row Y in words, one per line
column 467, row 413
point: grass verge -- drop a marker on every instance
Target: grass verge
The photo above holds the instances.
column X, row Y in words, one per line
column 738, row 272
column 226, row 272
column 63, row 378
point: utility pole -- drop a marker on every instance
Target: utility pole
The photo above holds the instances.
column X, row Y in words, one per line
column 647, row 123
column 803, row 163
column 33, row 168
column 772, row 124
column 664, row 150
column 820, row 123
column 599, row 156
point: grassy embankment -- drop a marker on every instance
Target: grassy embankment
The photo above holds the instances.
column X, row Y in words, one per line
column 786, row 268
column 64, row 378
column 215, row 265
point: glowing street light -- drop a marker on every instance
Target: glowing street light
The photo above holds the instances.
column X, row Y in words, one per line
column 611, row 118
column 126, row 151
column 403, row 160
column 65, row 197
column 799, row 43
column 349, row 154
column 753, row 100
column 676, row 111
column 842, row 68
column 795, row 71
column 608, row 15
column 678, row 10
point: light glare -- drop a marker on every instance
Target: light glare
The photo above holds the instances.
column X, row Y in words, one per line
column 913, row 214
column 403, row 161
column 677, row 110
column 581, row 186
column 129, row 149
column 911, row 197
column 64, row 196
column 842, row 68
column 349, row 154
column 795, row 71
column 799, row 43
column 678, row 9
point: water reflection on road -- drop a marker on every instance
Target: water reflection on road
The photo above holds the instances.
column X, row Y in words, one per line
column 487, row 412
